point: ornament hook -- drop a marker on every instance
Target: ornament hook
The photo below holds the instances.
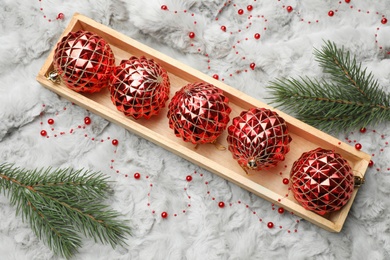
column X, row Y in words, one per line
column 53, row 76
column 359, row 181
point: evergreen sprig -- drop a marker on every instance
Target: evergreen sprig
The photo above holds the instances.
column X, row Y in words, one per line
column 349, row 98
column 61, row 204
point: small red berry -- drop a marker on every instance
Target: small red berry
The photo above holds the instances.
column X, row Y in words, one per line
column 347, row 1
column 384, row 20
column 363, row 130
column 43, row 133
column 191, row 35
column 257, row 36
column 330, row 13
column 164, row 215
column 87, row 120
column 370, row 163
column 221, row 204
column 249, row 7
column 286, row 181
column 270, row 225
column 358, row 146
column 289, row 9
column 115, row 142
column 223, row 28
column 60, row 16
column 189, row 178
column 281, row 210
column 252, row 65
column 164, row 7
column 137, row 175
column 215, row 76
column 50, row 121
column 240, row 12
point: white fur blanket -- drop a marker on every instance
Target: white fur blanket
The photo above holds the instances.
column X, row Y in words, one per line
column 203, row 231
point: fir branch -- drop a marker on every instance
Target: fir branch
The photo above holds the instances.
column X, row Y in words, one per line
column 352, row 99
column 59, row 204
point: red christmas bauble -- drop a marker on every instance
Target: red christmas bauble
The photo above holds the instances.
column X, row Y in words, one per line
column 84, row 61
column 258, row 138
column 199, row 113
column 139, row 87
column 321, row 181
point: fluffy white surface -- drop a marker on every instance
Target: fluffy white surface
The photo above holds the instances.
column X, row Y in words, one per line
column 204, row 231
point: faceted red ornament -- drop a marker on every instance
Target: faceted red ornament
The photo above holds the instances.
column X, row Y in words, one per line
column 258, row 139
column 322, row 181
column 139, row 87
column 84, row 61
column 199, row 113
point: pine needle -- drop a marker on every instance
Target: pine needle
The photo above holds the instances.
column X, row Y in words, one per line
column 351, row 99
column 59, row 204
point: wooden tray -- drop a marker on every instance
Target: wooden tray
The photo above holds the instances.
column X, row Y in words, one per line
column 265, row 184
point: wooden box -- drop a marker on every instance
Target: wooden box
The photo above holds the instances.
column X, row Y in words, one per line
column 265, row 184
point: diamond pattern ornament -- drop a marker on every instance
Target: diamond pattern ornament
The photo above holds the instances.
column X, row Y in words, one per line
column 83, row 61
column 321, row 181
column 258, row 139
column 199, row 113
column 139, row 87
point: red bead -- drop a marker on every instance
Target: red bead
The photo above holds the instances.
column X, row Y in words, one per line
column 43, row 133
column 363, row 130
column 240, row 12
column 60, row 16
column 189, row 178
column 191, row 35
column 281, row 210
column 289, row 9
column 223, row 28
column 384, row 20
column 330, row 13
column 252, row 65
column 164, row 215
column 215, row 76
column 286, row 181
column 137, row 175
column 257, row 36
column 249, row 7
column 87, row 120
column 115, row 142
column 347, row 1
column 358, row 146
column 221, row 204
column 370, row 163
column 270, row 225
column 164, row 7
column 50, row 121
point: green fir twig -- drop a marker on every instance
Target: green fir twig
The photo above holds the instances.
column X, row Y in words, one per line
column 351, row 98
column 59, row 204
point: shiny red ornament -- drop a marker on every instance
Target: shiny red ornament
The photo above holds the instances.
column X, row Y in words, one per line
column 43, row 133
column 115, row 142
column 191, row 35
column 221, row 204
column 358, row 146
column 139, row 87
column 84, row 61
column 87, row 120
column 240, row 11
column 189, row 178
column 289, row 9
column 258, row 139
column 223, row 28
column 249, row 7
column 199, row 113
column 257, row 36
column 384, row 20
column 164, row 214
column 330, row 13
column 137, row 175
column 322, row 181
